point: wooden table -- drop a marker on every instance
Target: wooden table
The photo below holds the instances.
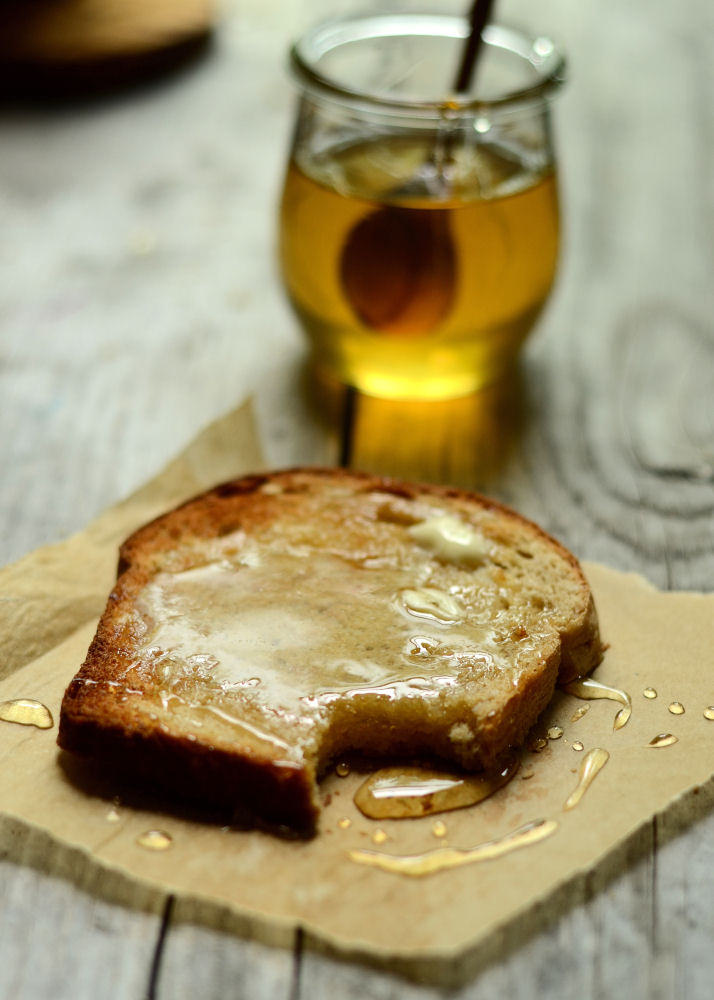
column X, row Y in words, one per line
column 139, row 300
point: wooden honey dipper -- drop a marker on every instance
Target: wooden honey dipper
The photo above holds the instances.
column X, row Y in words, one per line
column 398, row 267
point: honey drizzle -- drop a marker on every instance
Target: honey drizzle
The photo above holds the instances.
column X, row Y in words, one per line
column 592, row 764
column 409, row 792
column 590, row 689
column 579, row 713
column 417, row 865
column 26, row 712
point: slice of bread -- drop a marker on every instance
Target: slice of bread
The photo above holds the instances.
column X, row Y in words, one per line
column 261, row 630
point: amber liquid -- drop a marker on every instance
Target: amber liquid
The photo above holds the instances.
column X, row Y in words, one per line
column 433, row 295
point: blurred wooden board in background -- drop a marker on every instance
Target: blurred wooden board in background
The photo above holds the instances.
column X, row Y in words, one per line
column 53, row 47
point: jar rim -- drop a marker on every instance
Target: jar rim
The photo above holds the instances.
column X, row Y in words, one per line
column 546, row 59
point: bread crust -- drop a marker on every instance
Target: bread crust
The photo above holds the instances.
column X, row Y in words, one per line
column 96, row 722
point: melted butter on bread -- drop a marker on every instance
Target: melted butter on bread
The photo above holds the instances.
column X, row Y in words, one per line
column 451, row 539
column 292, row 631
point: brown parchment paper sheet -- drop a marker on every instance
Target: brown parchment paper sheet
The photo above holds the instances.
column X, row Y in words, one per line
column 266, row 887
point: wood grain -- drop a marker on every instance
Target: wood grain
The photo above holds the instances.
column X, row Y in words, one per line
column 220, row 966
column 48, row 926
column 139, row 301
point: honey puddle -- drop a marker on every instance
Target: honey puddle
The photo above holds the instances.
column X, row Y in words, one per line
column 590, row 690
column 410, row 792
column 26, row 712
column 442, row 858
column 592, row 764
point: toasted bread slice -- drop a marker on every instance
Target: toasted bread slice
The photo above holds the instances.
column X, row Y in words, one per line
column 264, row 628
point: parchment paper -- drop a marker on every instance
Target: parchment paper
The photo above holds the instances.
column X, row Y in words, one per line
column 266, row 887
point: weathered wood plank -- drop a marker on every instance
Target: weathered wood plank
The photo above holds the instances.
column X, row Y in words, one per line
column 684, row 921
column 58, row 942
column 139, row 298
column 197, row 962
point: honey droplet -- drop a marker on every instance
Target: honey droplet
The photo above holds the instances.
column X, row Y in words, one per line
column 379, row 836
column 439, row 828
column 539, row 744
column 344, row 823
column 709, row 713
column 527, row 776
column 622, row 718
column 592, row 764
column 591, row 689
column 154, row 840
column 26, row 712
column 579, row 713
column 577, row 745
column 554, row 733
column 417, row 865
column 407, row 792
column 649, row 693
column 343, row 769
column 676, row 708
column 113, row 816
column 663, row 740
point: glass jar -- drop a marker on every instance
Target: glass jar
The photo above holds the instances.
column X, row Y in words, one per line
column 418, row 227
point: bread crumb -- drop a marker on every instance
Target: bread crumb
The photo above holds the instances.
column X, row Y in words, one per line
column 460, row 733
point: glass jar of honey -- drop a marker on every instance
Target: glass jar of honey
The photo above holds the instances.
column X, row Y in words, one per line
column 418, row 227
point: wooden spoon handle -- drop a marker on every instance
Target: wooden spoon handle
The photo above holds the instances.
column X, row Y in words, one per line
column 478, row 19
